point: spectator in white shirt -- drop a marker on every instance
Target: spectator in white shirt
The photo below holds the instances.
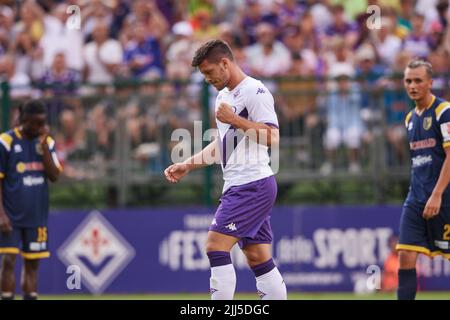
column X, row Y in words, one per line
column 102, row 56
column 268, row 57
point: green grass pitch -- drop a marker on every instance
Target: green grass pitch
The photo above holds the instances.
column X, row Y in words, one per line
column 442, row 295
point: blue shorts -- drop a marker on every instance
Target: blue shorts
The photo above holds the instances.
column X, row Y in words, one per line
column 31, row 242
column 244, row 212
column 431, row 237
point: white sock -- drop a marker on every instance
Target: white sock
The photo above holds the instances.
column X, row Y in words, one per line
column 271, row 286
column 222, row 282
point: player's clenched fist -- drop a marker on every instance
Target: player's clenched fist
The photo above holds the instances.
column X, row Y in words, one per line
column 225, row 113
column 176, row 171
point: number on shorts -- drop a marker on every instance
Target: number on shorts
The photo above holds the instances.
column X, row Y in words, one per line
column 447, row 232
column 42, row 234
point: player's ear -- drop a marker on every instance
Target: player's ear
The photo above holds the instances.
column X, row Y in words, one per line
column 225, row 63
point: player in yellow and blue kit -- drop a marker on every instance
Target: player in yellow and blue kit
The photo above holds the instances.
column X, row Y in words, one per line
column 27, row 160
column 425, row 221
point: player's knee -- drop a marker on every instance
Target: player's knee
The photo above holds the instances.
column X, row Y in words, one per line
column 9, row 260
column 253, row 258
column 212, row 245
column 407, row 259
column 31, row 267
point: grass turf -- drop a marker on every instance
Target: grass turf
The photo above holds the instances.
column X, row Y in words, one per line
column 445, row 295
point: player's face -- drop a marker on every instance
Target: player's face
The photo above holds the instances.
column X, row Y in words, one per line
column 217, row 74
column 417, row 83
column 33, row 124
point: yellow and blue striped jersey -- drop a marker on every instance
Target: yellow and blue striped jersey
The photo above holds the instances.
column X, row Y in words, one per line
column 23, row 178
column 428, row 134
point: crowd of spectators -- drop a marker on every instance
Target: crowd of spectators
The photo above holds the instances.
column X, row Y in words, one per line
column 327, row 42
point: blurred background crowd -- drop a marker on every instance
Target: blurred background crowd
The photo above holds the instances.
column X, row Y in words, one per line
column 129, row 66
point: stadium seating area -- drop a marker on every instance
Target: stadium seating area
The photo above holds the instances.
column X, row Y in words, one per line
column 119, row 85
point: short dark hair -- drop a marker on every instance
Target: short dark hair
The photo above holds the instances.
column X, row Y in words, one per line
column 31, row 107
column 213, row 51
column 418, row 62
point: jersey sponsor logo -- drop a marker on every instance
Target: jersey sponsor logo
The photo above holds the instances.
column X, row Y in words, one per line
column 421, row 160
column 410, row 126
column 21, row 167
column 427, row 122
column 423, row 144
column 99, row 250
column 236, row 94
column 30, row 181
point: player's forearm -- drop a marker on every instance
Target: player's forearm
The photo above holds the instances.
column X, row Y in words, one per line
column 51, row 170
column 444, row 178
column 259, row 132
column 2, row 210
column 206, row 157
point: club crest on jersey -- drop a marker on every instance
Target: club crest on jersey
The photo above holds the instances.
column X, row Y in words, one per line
column 427, row 121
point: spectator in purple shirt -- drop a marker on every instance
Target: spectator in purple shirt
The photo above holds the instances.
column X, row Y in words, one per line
column 341, row 27
column 143, row 55
column 253, row 16
column 59, row 79
column 417, row 43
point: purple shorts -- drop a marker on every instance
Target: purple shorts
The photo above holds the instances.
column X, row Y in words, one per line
column 244, row 212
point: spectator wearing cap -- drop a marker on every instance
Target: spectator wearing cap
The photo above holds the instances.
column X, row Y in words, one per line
column 180, row 52
column 268, row 57
column 343, row 121
column 368, row 72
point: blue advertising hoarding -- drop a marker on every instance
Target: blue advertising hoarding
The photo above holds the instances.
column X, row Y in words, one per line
column 158, row 250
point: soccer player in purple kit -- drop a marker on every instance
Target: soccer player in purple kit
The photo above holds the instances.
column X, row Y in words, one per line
column 247, row 126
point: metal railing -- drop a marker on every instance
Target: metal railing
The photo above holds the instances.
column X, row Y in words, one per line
column 115, row 143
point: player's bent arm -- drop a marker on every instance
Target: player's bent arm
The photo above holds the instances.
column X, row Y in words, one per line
column 5, row 223
column 51, row 169
column 260, row 132
column 444, row 176
column 208, row 156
